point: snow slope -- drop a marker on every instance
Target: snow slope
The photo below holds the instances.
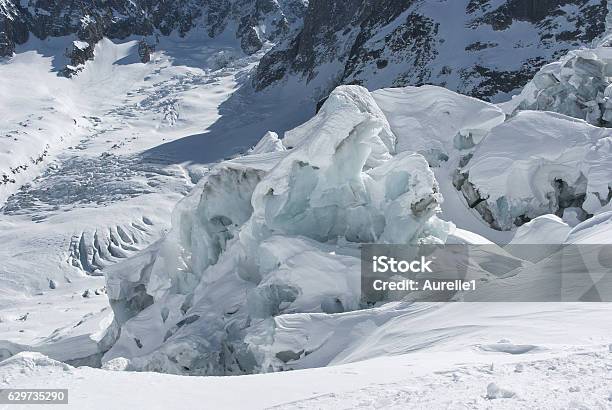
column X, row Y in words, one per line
column 458, row 351
column 38, row 119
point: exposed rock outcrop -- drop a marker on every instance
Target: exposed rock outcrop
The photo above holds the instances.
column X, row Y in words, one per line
column 78, row 53
column 144, row 51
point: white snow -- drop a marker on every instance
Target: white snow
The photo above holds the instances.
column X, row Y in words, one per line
column 268, row 143
column 37, row 118
column 523, row 165
column 81, row 45
column 441, row 366
column 217, row 266
column 548, row 232
column 434, row 121
column 593, row 231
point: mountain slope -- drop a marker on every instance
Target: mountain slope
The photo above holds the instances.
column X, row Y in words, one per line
column 486, row 48
column 251, row 21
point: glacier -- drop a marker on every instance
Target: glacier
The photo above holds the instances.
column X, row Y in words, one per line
column 256, row 269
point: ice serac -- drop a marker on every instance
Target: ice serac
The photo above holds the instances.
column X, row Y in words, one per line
column 538, row 163
column 359, row 103
column 578, row 85
column 268, row 143
column 436, row 122
column 271, row 234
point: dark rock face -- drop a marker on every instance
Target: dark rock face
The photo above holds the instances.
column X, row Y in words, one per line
column 78, row 53
column 13, row 28
column 144, row 51
column 484, row 48
column 256, row 20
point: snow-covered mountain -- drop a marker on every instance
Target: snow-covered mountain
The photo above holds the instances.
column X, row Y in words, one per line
column 251, row 21
column 485, row 48
column 488, row 49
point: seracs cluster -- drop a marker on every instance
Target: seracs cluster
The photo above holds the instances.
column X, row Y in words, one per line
column 273, row 233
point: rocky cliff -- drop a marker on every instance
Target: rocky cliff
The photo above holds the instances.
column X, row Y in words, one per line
column 484, row 48
column 252, row 21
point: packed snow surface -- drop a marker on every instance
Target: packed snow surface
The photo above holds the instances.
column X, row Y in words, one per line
column 438, row 356
column 434, row 121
